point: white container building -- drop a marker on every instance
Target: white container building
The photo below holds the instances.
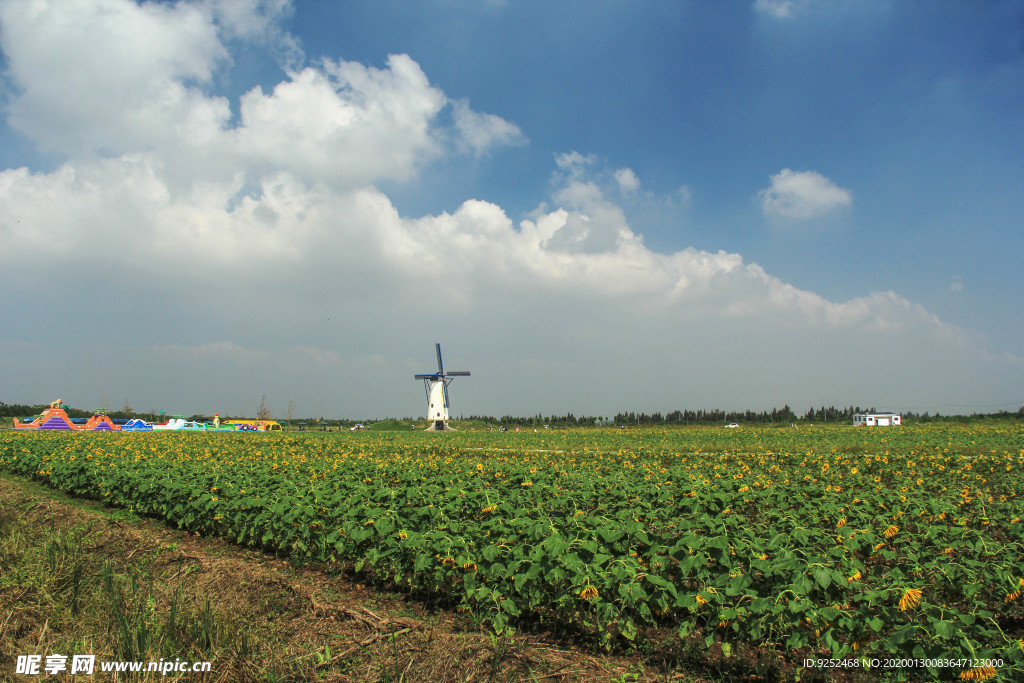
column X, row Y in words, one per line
column 877, row 420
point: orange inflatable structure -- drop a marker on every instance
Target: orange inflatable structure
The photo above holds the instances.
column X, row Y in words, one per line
column 55, row 418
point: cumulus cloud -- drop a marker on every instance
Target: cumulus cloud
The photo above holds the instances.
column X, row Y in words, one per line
column 780, row 9
column 344, row 122
column 296, row 279
column 253, row 20
column 477, row 132
column 573, row 164
column 629, row 184
column 592, row 223
column 802, row 195
column 140, row 80
column 281, row 267
column 110, row 76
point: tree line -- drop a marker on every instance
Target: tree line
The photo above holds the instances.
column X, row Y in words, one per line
column 22, row 411
column 713, row 416
column 784, row 415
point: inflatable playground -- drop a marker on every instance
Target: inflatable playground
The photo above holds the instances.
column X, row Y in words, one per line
column 55, row 418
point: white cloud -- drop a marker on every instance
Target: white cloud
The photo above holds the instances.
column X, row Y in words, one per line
column 110, row 76
column 573, row 164
column 477, row 132
column 780, row 9
column 222, row 351
column 592, row 223
column 251, row 19
column 629, row 184
column 584, row 244
column 802, row 196
column 322, row 357
column 299, row 280
column 345, row 123
column 140, row 80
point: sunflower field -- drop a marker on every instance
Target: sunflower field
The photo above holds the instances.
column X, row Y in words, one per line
column 833, row 541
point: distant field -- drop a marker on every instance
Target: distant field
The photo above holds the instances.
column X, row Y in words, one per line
column 831, row 541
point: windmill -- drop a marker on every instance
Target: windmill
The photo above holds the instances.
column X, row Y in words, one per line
column 436, row 386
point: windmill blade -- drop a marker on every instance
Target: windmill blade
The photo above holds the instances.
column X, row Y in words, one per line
column 440, row 368
column 446, row 395
column 432, row 375
column 458, row 373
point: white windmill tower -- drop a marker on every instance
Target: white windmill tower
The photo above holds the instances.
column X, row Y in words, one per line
column 436, row 386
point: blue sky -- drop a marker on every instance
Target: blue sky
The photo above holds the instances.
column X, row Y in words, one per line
column 599, row 206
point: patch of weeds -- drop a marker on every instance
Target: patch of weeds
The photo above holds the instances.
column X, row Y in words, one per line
column 281, row 601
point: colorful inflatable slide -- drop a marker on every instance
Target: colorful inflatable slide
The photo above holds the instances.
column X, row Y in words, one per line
column 55, row 418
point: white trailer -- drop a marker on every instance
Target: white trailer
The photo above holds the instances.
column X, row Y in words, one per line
column 877, row 420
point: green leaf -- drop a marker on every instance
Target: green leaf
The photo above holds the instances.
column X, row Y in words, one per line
column 967, row 619
column 628, row 629
column 384, row 526
column 945, row 629
column 797, row 640
column 556, row 575
column 903, row 634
